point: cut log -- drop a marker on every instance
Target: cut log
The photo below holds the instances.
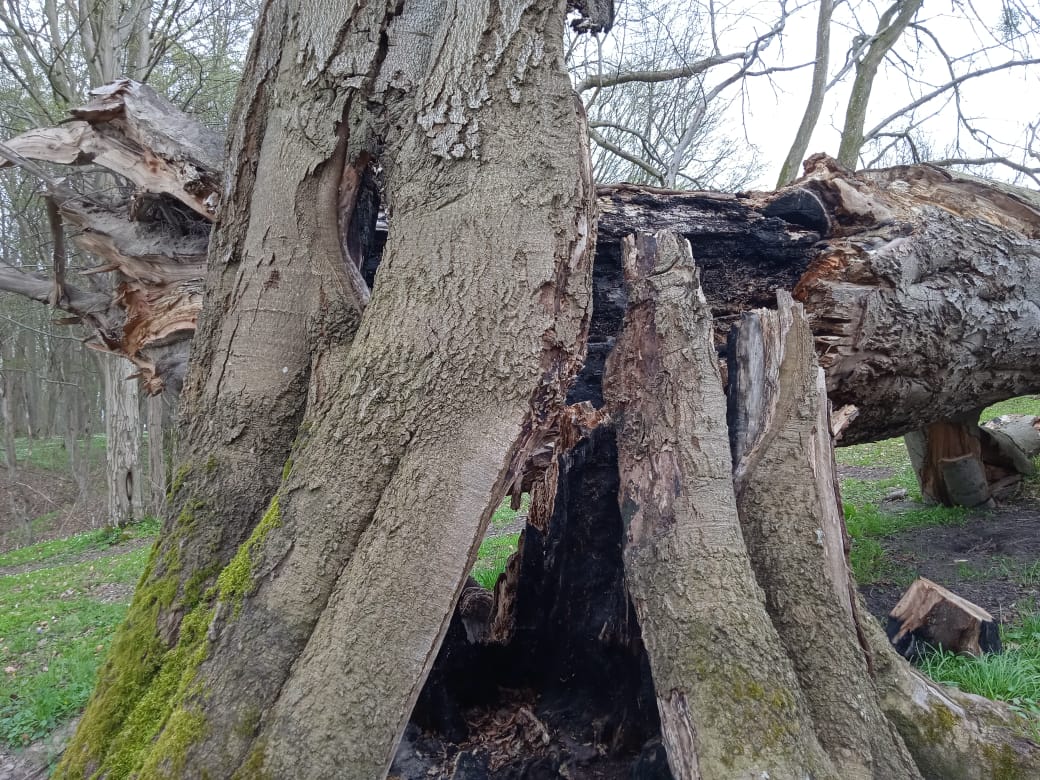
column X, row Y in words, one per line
column 1023, row 430
column 930, row 615
column 964, row 478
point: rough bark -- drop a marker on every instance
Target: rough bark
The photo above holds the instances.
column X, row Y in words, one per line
column 123, row 443
column 923, row 298
column 407, row 408
column 881, row 260
column 156, row 454
column 787, row 494
column 737, row 713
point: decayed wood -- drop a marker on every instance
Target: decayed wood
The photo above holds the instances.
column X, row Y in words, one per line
column 155, row 246
column 132, row 131
column 1017, row 436
column 931, row 614
column 686, row 564
column 785, row 479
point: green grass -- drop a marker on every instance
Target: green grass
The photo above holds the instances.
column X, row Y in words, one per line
column 1026, row 404
column 505, row 515
column 55, row 625
column 867, row 517
column 491, row 558
column 57, row 550
column 50, row 454
column 1012, row 676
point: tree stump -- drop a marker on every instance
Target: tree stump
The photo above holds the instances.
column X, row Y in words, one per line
column 930, row 614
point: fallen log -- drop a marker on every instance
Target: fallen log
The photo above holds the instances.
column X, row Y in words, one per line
column 918, row 284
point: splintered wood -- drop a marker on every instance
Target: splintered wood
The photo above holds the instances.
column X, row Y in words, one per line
column 930, row 614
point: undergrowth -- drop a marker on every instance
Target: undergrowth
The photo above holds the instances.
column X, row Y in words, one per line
column 56, row 621
column 1012, row 676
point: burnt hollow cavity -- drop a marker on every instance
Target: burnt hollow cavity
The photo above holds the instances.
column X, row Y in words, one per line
column 571, row 692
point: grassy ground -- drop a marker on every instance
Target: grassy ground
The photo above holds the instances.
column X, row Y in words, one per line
column 59, row 604
column 881, row 471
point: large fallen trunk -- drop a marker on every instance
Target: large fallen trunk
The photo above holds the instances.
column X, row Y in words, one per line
column 919, row 285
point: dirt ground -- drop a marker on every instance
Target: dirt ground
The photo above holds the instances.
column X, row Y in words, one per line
column 992, row 560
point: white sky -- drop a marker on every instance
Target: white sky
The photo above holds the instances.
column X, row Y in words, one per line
column 769, row 115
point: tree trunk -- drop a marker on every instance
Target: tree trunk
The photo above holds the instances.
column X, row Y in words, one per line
column 123, row 443
column 156, row 406
column 302, row 583
column 738, row 712
column 10, row 454
column 408, row 409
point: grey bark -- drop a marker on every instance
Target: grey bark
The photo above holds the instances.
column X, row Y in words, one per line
column 814, row 105
column 738, row 713
column 122, row 436
column 890, row 27
column 387, row 402
column 790, row 509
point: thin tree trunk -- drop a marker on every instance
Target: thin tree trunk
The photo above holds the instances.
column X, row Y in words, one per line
column 123, row 441
column 814, row 105
column 10, row 453
column 156, row 454
column 890, row 27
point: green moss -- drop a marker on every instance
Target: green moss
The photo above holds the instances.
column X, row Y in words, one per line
column 253, row 767
column 186, row 517
column 178, row 480
column 193, row 587
column 211, row 464
column 134, row 658
column 942, row 722
column 236, row 581
column 286, row 469
column 1003, row 763
column 249, row 723
column 162, row 709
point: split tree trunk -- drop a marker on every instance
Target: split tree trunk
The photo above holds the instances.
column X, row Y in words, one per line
column 777, row 700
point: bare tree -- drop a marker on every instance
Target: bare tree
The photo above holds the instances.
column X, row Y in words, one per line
column 657, row 89
column 937, row 58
